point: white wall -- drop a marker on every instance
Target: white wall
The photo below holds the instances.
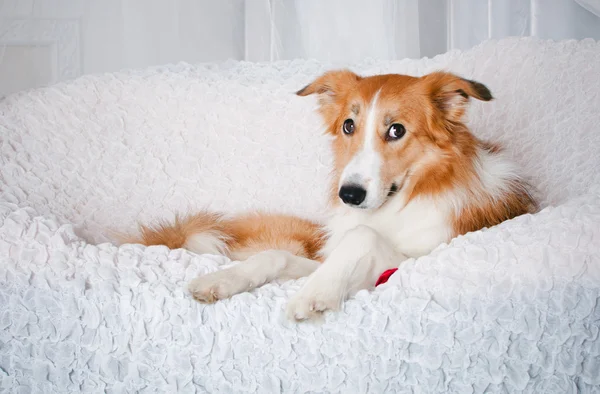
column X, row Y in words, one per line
column 44, row 41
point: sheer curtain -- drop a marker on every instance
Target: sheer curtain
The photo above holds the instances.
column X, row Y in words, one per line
column 350, row 30
column 337, row 30
column 471, row 22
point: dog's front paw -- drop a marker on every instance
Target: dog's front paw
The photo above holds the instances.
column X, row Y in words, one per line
column 312, row 301
column 215, row 286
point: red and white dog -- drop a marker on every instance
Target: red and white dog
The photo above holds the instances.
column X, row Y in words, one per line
column 408, row 177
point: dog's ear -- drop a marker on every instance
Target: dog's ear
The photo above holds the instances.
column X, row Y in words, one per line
column 450, row 93
column 331, row 85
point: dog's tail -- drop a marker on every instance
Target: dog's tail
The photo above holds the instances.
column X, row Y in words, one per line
column 203, row 232
column 237, row 238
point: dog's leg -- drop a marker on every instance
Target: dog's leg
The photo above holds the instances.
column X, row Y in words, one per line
column 355, row 264
column 254, row 272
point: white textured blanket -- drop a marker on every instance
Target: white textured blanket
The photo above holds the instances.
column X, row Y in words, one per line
column 511, row 308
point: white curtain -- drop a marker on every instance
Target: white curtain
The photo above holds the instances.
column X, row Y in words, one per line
column 350, row 30
column 45, row 41
column 337, row 30
column 471, row 22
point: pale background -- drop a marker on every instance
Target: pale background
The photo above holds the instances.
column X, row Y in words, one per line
column 45, row 41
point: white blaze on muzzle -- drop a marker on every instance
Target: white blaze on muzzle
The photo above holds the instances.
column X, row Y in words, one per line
column 364, row 170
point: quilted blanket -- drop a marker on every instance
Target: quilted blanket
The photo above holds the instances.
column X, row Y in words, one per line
column 513, row 308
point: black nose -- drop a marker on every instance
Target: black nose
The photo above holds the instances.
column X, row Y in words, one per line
column 352, row 194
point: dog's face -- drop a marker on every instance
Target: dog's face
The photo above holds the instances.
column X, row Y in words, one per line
column 388, row 128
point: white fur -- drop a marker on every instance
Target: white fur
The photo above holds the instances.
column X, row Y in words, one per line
column 494, row 171
column 363, row 244
column 355, row 264
column 207, row 242
column 414, row 230
column 365, row 168
column 257, row 270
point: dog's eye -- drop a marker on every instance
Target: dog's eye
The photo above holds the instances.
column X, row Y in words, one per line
column 348, row 127
column 395, row 132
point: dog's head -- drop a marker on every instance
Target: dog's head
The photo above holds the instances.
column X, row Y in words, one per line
column 388, row 128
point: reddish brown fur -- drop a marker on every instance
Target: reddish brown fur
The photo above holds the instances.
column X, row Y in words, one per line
column 174, row 235
column 243, row 235
column 491, row 212
column 258, row 231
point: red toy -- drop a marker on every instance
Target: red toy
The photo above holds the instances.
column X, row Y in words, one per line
column 385, row 276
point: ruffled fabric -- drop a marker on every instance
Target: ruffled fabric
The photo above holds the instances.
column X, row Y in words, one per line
column 512, row 308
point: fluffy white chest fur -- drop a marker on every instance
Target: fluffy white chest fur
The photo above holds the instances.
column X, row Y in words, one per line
column 413, row 230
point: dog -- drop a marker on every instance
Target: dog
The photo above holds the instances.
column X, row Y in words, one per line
column 408, row 176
